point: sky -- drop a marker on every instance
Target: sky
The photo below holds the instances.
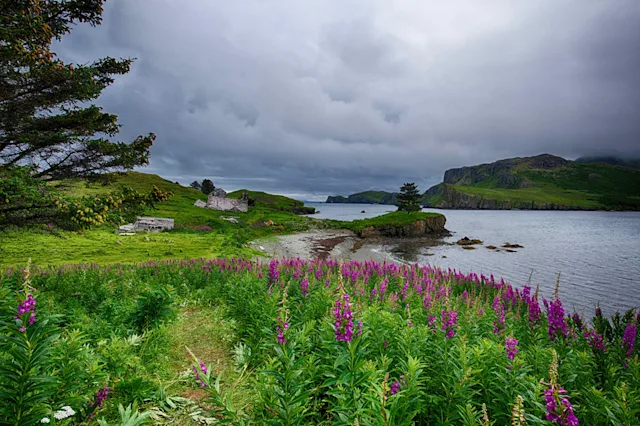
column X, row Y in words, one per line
column 321, row 97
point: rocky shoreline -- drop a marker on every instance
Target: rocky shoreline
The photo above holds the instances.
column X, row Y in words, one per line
column 341, row 245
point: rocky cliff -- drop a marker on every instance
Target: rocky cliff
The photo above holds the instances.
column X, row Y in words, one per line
column 544, row 182
column 432, row 225
column 446, row 196
column 502, row 173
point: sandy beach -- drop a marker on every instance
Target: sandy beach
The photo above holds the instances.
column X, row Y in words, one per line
column 345, row 246
column 324, row 244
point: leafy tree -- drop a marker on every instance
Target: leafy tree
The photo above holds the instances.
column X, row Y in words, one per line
column 409, row 198
column 44, row 120
column 48, row 129
column 196, row 185
column 207, row 186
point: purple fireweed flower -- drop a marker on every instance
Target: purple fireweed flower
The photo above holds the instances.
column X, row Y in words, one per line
column 577, row 321
column 557, row 324
column 598, row 312
column 426, row 302
column 26, row 308
column 449, row 319
column 511, row 347
column 282, row 324
column 343, row 319
column 498, row 307
column 281, row 328
column 595, row 340
column 534, row 311
column 204, row 370
column 395, row 387
column 274, row 273
column 101, row 395
column 304, row 286
column 560, row 413
column 629, row 339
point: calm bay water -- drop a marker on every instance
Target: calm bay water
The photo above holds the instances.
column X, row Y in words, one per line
column 596, row 253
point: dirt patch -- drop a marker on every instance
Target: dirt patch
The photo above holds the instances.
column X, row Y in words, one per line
column 322, row 248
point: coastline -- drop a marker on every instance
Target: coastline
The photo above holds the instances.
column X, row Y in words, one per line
column 342, row 245
column 336, row 244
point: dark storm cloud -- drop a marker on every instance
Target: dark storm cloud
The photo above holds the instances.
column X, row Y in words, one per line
column 319, row 97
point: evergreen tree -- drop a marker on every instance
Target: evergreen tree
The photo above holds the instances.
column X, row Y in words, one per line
column 196, row 185
column 48, row 128
column 207, row 187
column 409, row 198
column 45, row 121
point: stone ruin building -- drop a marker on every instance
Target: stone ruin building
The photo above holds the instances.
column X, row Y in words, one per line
column 148, row 224
column 218, row 200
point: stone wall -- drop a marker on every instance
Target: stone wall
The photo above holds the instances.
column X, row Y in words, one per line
column 430, row 227
column 147, row 223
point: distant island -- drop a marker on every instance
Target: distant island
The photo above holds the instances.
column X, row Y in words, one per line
column 543, row 182
column 366, row 197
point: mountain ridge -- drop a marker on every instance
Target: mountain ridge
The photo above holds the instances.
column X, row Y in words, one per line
column 542, row 182
column 364, row 197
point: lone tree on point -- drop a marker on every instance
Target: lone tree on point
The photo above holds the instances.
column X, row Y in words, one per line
column 409, row 198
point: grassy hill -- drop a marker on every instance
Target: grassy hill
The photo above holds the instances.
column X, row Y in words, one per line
column 365, row 197
column 199, row 232
column 542, row 182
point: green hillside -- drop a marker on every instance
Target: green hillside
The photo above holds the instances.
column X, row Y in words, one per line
column 544, row 182
column 199, row 232
column 365, row 197
column 273, row 202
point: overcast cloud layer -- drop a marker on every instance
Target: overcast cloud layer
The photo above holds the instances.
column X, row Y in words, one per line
column 310, row 98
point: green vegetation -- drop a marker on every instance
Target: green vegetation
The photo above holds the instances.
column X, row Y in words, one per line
column 49, row 130
column 409, row 198
column 365, row 197
column 199, row 232
column 613, row 160
column 542, row 182
column 544, row 194
column 396, row 218
column 273, row 202
column 228, row 341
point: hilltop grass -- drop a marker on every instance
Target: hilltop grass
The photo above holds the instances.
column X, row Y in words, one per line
column 394, row 218
column 581, row 186
column 544, row 194
column 105, row 247
column 610, row 186
column 373, row 196
column 199, row 232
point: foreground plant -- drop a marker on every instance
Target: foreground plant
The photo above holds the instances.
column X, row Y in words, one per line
column 355, row 343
